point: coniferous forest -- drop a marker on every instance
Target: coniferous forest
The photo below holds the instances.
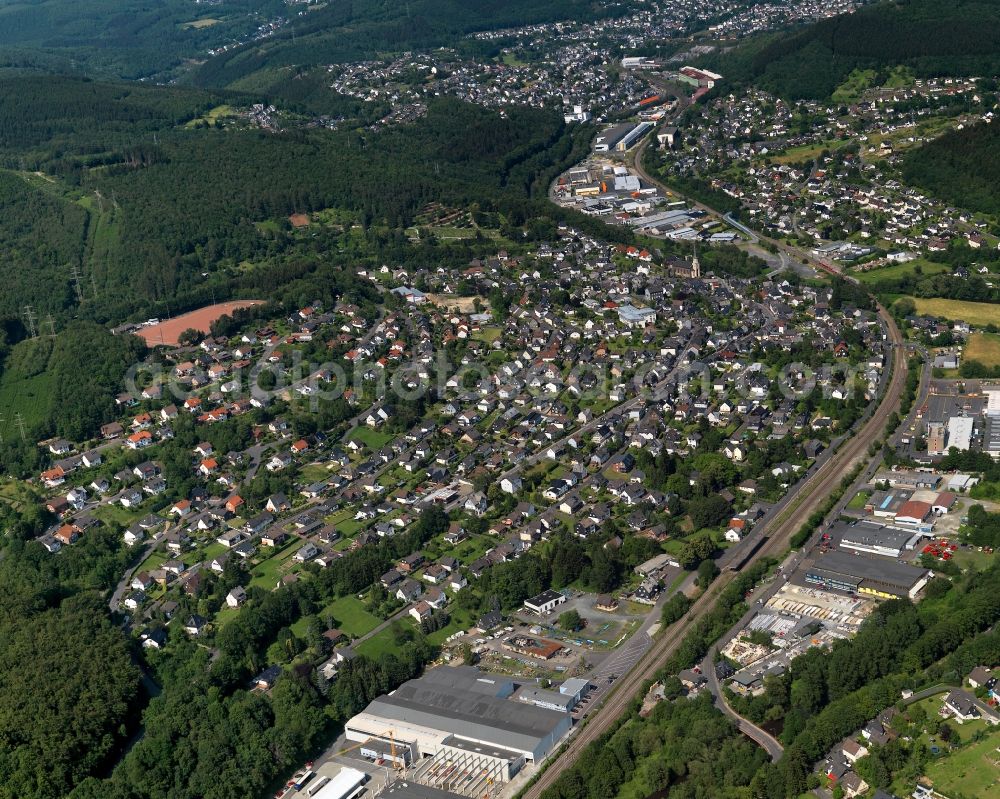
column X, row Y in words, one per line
column 928, row 37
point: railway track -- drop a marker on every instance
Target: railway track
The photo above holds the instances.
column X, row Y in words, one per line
column 777, row 535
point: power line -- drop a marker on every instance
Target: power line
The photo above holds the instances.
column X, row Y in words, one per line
column 30, row 316
column 75, row 274
column 19, row 420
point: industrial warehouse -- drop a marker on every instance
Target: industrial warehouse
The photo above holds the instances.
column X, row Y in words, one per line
column 873, row 538
column 457, row 726
column 883, row 578
column 621, row 137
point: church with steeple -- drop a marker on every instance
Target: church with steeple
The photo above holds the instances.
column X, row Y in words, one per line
column 682, row 268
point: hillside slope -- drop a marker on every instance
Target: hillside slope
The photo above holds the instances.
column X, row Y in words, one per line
column 141, row 38
column 962, row 167
column 358, row 29
column 122, row 38
column 110, row 179
column 929, row 37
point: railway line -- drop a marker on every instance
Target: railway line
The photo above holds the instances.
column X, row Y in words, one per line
column 775, row 541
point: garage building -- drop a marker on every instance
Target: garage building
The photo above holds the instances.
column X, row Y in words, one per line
column 545, row 602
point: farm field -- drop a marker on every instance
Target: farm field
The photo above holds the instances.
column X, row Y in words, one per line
column 850, row 90
column 212, row 116
column 983, row 347
column 975, row 313
column 166, row 333
column 198, row 24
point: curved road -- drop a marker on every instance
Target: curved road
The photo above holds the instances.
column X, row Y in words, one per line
column 760, row 736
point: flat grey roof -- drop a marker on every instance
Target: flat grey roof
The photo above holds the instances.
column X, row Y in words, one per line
column 530, row 694
column 861, row 568
column 466, row 702
column 611, row 136
column 992, row 434
column 872, row 534
column 574, row 685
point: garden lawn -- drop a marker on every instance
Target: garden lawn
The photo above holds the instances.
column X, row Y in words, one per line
column 267, row 572
column 858, row 501
column 896, row 271
column 351, row 616
column 373, row 439
column 383, row 643
column 972, row 770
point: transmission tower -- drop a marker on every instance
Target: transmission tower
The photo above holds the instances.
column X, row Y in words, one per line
column 29, row 317
column 19, row 420
column 51, row 324
column 75, row 274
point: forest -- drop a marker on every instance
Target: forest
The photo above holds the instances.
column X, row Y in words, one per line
column 687, row 748
column 121, row 38
column 928, row 37
column 134, row 39
column 57, row 641
column 150, row 211
column 73, row 402
column 961, row 167
column 41, row 238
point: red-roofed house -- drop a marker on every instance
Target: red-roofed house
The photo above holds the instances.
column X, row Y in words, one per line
column 208, row 466
column 139, row 440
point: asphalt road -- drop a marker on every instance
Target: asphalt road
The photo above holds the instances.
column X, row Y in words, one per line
column 761, row 737
column 801, row 501
column 807, row 495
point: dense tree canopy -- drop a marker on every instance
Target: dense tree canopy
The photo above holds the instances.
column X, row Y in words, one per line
column 67, row 687
column 930, row 38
